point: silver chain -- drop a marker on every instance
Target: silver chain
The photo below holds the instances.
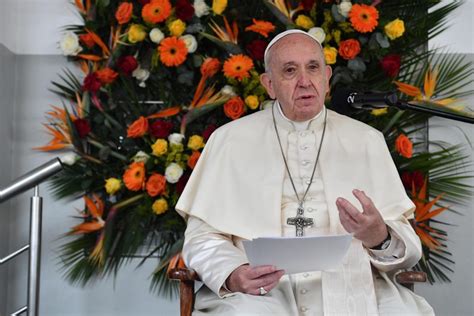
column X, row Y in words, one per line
column 300, row 201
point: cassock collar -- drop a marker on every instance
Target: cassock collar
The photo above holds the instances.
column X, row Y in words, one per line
column 315, row 124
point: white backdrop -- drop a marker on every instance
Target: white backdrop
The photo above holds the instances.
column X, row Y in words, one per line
column 31, row 29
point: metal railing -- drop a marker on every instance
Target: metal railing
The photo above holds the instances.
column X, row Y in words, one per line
column 25, row 182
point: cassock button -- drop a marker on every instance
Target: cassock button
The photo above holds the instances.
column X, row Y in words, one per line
column 303, row 309
column 308, row 181
column 303, row 134
column 305, row 162
column 310, row 209
column 306, row 275
column 304, row 147
column 303, row 291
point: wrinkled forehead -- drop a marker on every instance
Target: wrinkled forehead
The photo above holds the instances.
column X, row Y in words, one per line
column 283, row 37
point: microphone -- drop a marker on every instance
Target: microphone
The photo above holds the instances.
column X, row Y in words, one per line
column 345, row 101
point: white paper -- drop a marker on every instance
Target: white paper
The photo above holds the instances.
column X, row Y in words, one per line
column 298, row 254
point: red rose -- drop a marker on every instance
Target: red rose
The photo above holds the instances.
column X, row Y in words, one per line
column 208, row 131
column 391, row 65
column 83, row 127
column 184, row 10
column 161, row 129
column 256, row 49
column 307, row 4
column 416, row 177
column 127, row 64
column 91, row 83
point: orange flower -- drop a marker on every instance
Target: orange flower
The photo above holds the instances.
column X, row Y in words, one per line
column 210, row 67
column 234, row 108
column 106, row 75
column 404, row 146
column 261, row 27
column 156, row 184
column 173, row 51
column 138, row 128
column 87, row 40
column 156, row 11
column 238, row 67
column 364, row 18
column 349, row 49
column 124, row 12
column 134, row 176
column 193, row 159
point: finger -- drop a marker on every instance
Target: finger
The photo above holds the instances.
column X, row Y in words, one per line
column 346, row 221
column 367, row 205
column 351, row 210
column 257, row 271
column 268, row 282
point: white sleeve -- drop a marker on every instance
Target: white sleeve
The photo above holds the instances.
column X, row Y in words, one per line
column 211, row 253
column 404, row 250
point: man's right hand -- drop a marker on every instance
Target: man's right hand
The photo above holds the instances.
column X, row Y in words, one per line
column 247, row 279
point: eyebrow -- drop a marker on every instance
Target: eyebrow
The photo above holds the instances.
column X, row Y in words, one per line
column 293, row 63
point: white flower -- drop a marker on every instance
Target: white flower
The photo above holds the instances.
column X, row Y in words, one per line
column 69, row 158
column 176, row 138
column 318, row 33
column 191, row 43
column 201, row 8
column 156, row 35
column 173, row 172
column 69, row 44
column 228, row 91
column 344, row 7
column 141, row 74
column 141, row 156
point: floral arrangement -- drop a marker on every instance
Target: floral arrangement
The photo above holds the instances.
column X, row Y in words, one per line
column 157, row 77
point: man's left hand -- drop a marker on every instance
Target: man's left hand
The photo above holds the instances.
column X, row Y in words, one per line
column 367, row 226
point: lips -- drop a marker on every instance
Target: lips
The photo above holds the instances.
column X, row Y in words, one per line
column 305, row 97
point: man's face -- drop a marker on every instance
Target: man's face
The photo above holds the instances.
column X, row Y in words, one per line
column 298, row 77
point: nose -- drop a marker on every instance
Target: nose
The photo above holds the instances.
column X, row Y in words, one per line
column 304, row 79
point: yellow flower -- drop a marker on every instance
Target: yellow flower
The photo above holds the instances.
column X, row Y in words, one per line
column 330, row 55
column 160, row 206
column 136, row 33
column 218, row 6
column 112, row 185
column 177, row 27
column 252, row 101
column 160, row 147
column 195, row 142
column 378, row 112
column 395, row 29
column 304, row 22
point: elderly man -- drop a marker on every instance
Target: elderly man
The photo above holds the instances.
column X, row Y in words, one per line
column 298, row 159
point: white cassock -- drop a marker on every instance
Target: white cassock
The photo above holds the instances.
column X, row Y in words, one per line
column 240, row 190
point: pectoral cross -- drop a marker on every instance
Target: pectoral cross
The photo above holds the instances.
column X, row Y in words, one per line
column 300, row 221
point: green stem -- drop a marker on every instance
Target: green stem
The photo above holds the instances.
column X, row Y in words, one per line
column 113, row 153
column 392, row 122
column 128, row 201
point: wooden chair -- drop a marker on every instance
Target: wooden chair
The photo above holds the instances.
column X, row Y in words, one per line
column 177, row 271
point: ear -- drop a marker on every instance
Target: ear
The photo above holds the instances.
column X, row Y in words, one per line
column 267, row 83
column 328, row 74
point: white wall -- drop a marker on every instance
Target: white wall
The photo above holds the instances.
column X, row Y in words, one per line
column 7, row 67
column 456, row 298
column 23, row 33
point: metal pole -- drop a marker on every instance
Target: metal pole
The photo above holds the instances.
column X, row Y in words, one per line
column 34, row 267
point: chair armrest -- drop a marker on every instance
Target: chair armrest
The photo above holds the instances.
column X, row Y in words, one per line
column 178, row 271
column 407, row 277
column 183, row 274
